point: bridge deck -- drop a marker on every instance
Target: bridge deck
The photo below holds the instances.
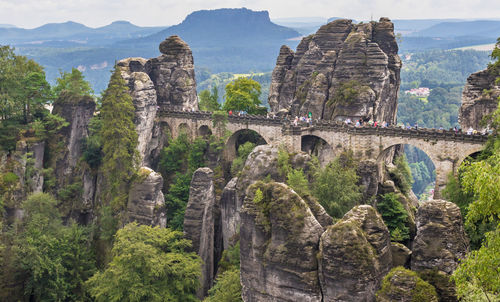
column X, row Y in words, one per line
column 392, row 130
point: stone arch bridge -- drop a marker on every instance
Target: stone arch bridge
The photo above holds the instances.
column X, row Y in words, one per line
column 446, row 149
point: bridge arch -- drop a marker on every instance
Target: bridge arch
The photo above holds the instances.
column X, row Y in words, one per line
column 239, row 137
column 204, row 131
column 317, row 146
column 184, row 128
column 473, row 150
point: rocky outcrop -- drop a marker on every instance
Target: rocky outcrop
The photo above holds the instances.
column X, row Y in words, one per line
column 173, row 74
column 400, row 255
column 479, row 98
column 441, row 240
column 320, row 76
column 403, row 285
column 164, row 82
column 77, row 111
column 144, row 98
column 261, row 163
column 199, row 224
column 439, row 245
column 355, row 254
column 145, row 200
column 230, row 211
column 279, row 238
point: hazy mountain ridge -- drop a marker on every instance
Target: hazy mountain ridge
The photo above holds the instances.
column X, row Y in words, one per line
column 72, row 31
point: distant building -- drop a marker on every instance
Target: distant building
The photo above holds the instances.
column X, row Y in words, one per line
column 420, row 92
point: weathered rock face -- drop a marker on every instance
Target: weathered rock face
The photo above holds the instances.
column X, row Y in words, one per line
column 77, row 111
column 441, row 240
column 166, row 81
column 400, row 255
column 278, row 246
column 341, row 55
column 355, row 254
column 405, row 286
column 146, row 201
column 262, row 162
column 173, row 74
column 199, row 224
column 479, row 98
column 144, row 98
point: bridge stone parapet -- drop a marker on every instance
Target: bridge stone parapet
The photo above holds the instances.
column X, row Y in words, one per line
column 447, row 149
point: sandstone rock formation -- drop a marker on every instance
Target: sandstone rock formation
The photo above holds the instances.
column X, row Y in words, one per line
column 164, row 82
column 145, row 201
column 278, row 246
column 173, row 74
column 400, row 255
column 261, row 163
column 403, row 285
column 339, row 57
column 479, row 99
column 144, row 98
column 441, row 240
column 77, row 111
column 355, row 254
column 199, row 224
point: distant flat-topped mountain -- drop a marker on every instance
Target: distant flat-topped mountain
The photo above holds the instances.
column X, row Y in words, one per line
column 237, row 40
column 228, row 26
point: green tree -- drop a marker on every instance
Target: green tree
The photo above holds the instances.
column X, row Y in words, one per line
column 480, row 272
column 149, row 264
column 227, row 288
column 395, row 217
column 178, row 161
column 239, row 162
column 119, row 140
column 72, row 83
column 243, row 95
column 335, row 186
column 209, row 101
column 56, row 259
column 298, row 182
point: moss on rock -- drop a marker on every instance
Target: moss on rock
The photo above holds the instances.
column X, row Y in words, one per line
column 401, row 284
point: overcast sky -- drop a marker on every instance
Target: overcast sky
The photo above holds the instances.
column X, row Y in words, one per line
column 94, row 13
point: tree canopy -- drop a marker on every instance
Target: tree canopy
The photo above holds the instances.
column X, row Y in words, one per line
column 243, row 95
column 149, row 264
column 119, row 140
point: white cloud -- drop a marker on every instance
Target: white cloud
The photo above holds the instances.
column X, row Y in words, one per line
column 32, row 13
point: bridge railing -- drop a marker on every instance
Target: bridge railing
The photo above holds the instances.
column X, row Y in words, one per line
column 392, row 130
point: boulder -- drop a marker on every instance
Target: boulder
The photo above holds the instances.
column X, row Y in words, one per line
column 403, row 285
column 199, row 224
column 145, row 201
column 441, row 241
column 173, row 75
column 278, row 246
column 439, row 245
column 340, row 55
column 479, row 99
column 354, row 256
column 400, row 255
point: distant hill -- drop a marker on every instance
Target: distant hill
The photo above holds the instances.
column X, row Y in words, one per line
column 7, row 26
column 480, row 28
column 72, row 31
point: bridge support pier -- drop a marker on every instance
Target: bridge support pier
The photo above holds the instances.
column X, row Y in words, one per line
column 292, row 138
column 443, row 169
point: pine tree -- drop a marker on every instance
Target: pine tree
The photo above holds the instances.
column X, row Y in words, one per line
column 119, row 141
